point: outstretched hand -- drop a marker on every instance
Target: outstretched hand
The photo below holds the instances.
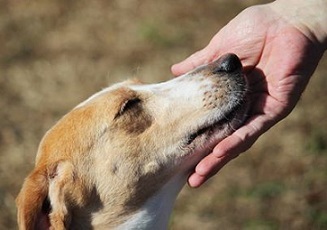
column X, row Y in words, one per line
column 278, row 59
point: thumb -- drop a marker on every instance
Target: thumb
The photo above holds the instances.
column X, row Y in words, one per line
column 199, row 58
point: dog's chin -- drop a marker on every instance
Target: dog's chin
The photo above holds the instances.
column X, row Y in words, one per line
column 209, row 135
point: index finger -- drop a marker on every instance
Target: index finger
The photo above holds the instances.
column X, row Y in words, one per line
column 198, row 58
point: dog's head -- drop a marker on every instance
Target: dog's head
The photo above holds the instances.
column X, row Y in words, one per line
column 120, row 146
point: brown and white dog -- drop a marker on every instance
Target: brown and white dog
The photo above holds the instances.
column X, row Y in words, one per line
column 119, row 159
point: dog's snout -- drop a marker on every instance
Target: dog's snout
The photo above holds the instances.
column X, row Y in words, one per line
column 227, row 63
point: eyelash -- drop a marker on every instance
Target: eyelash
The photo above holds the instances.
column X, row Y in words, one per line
column 128, row 104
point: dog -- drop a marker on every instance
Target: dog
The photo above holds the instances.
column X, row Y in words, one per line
column 119, row 159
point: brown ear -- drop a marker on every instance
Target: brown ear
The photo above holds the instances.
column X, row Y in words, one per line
column 30, row 200
column 62, row 184
column 45, row 198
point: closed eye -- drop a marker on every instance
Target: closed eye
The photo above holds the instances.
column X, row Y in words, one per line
column 128, row 105
column 132, row 117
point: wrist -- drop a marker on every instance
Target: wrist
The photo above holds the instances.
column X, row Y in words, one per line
column 308, row 16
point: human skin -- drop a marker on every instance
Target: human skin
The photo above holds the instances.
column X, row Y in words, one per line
column 280, row 45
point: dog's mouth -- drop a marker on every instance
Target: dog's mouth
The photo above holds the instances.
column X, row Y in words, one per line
column 214, row 130
column 217, row 130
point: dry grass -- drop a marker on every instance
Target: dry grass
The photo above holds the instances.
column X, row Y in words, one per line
column 56, row 53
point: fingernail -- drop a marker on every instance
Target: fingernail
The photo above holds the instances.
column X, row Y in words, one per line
column 195, row 180
column 175, row 69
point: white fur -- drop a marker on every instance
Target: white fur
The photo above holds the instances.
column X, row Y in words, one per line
column 155, row 213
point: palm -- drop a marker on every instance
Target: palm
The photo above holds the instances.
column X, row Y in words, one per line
column 272, row 52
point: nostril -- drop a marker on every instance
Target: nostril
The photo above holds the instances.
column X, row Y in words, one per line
column 228, row 63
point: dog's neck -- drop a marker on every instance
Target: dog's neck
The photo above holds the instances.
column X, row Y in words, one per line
column 155, row 213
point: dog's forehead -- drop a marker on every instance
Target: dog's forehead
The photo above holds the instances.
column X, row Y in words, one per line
column 80, row 128
column 67, row 136
column 114, row 92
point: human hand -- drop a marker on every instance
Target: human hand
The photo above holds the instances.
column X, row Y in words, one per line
column 279, row 55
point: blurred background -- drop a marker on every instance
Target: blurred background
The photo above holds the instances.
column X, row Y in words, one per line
column 54, row 54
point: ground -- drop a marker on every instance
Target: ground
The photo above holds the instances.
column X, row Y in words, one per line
column 55, row 54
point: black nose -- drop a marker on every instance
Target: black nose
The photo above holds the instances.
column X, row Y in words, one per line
column 227, row 63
